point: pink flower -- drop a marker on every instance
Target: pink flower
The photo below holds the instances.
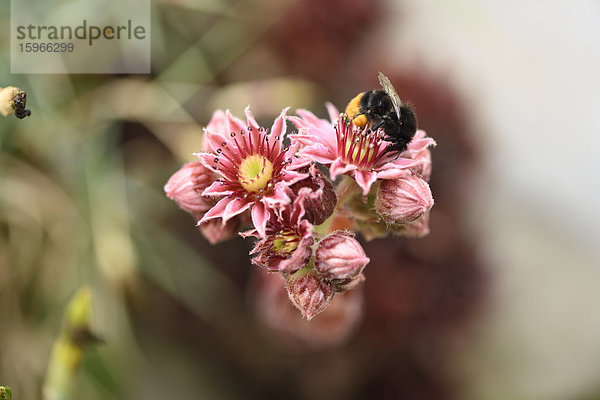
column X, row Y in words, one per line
column 255, row 169
column 340, row 256
column 286, row 245
column 348, row 149
column 404, row 200
column 309, row 292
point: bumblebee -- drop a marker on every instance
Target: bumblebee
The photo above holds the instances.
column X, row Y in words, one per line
column 19, row 103
column 376, row 109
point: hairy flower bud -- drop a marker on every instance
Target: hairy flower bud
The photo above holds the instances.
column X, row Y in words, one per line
column 404, row 200
column 309, row 292
column 283, row 251
column 186, row 185
column 340, row 256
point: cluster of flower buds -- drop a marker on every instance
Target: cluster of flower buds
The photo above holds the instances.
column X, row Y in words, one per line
column 261, row 183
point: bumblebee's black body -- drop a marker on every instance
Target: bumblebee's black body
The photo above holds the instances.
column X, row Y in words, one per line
column 377, row 106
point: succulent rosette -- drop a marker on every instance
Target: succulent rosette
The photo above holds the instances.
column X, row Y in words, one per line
column 254, row 168
column 348, row 149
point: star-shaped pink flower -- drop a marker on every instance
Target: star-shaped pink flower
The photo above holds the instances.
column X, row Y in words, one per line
column 348, row 149
column 253, row 165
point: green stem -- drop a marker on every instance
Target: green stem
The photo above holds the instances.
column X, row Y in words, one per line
column 347, row 189
column 344, row 192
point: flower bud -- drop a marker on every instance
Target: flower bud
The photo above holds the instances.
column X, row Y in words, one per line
column 318, row 196
column 309, row 293
column 403, row 200
column 186, row 185
column 283, row 251
column 340, row 256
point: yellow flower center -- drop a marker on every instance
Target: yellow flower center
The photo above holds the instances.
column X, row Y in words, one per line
column 255, row 173
column 285, row 242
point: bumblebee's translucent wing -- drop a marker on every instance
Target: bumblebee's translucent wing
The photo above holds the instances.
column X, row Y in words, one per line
column 389, row 89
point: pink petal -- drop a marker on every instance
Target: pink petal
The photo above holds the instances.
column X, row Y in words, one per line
column 365, row 179
column 218, row 189
column 309, row 117
column 216, row 126
column 251, row 232
column 420, row 141
column 399, row 163
column 299, row 122
column 304, row 140
column 325, row 134
column 215, row 140
column 236, row 206
column 260, row 216
column 334, row 114
column 279, row 197
column 216, row 211
column 207, row 159
column 338, row 167
column 250, row 119
column 279, row 126
column 319, row 153
column 292, row 177
column 393, row 173
column 217, row 122
column 234, row 124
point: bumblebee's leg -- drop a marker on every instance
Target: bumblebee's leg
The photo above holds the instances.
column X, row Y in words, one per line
column 395, row 147
column 376, row 127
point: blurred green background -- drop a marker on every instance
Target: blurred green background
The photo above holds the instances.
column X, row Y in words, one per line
column 499, row 302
